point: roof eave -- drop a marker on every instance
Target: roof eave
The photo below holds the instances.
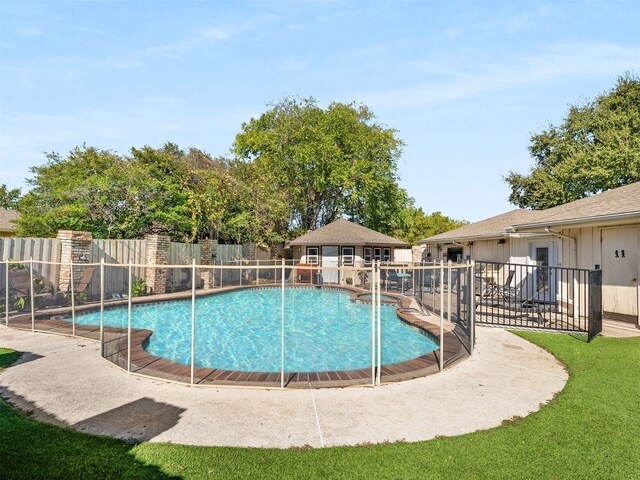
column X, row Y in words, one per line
column 577, row 221
column 469, row 238
column 384, row 244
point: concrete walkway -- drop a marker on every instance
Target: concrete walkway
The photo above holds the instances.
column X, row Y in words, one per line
column 614, row 329
column 62, row 380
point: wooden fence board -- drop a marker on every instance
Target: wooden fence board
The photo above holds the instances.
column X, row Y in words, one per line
column 40, row 249
column 120, row 252
column 113, row 251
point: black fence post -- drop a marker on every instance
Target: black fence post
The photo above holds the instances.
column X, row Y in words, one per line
column 595, row 304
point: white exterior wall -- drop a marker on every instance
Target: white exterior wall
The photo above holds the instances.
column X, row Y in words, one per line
column 521, row 250
column 587, row 252
column 484, row 250
column 490, row 251
column 399, row 255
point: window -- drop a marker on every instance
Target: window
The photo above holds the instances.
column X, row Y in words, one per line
column 347, row 256
column 377, row 253
column 386, row 254
column 312, row 255
column 366, row 255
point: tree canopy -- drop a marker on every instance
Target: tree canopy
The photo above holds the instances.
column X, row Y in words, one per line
column 416, row 225
column 9, row 197
column 296, row 167
column 324, row 163
column 183, row 194
column 596, row 148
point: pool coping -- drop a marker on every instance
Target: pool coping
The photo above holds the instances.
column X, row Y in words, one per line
column 143, row 363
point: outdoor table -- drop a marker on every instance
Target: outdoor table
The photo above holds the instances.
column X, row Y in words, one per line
column 405, row 278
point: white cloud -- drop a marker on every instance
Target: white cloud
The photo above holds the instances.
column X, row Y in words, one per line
column 220, row 33
column 558, row 62
column 500, row 21
column 30, row 32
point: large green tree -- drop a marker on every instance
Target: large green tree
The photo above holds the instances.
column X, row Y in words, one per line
column 596, row 148
column 183, row 194
column 416, row 225
column 315, row 164
column 83, row 191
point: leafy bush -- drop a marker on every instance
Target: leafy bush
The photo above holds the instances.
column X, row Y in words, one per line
column 139, row 287
column 20, row 303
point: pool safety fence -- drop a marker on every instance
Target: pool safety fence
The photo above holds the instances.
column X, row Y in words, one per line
column 126, row 307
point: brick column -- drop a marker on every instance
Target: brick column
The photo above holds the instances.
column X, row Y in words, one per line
column 74, row 247
column 207, row 251
column 157, row 254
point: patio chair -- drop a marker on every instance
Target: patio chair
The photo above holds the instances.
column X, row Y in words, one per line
column 389, row 278
column 20, row 288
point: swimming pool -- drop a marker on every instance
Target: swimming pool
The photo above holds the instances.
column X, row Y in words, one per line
column 241, row 330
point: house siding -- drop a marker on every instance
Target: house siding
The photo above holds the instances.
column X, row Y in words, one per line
column 586, row 252
column 491, row 250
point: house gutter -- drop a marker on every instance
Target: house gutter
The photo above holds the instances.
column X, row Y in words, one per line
column 559, row 235
column 547, row 231
column 583, row 220
column 566, row 237
column 525, row 235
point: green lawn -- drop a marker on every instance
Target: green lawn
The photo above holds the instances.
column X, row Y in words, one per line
column 590, row 431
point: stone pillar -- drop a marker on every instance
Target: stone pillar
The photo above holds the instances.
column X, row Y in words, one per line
column 208, row 250
column 157, row 254
column 74, row 247
column 416, row 253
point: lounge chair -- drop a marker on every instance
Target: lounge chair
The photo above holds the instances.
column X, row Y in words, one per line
column 506, row 291
column 85, row 281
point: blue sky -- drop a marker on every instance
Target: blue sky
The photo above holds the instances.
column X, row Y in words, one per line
column 464, row 83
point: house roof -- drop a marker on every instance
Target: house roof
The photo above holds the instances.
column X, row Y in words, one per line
column 493, row 227
column 617, row 203
column 344, row 232
column 7, row 217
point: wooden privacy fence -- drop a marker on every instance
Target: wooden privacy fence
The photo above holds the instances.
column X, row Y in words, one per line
column 40, row 249
column 113, row 251
column 116, row 251
column 181, row 254
column 229, row 253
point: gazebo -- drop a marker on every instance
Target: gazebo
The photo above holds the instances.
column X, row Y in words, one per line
column 344, row 243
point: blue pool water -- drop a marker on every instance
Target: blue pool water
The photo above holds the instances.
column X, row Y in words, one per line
column 241, row 330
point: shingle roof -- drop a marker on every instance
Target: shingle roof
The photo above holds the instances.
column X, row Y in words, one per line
column 344, row 232
column 621, row 201
column 7, row 217
column 493, row 227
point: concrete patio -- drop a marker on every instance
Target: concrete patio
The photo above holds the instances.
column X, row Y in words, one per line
column 62, row 380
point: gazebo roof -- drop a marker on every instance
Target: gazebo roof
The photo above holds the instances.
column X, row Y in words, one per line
column 344, row 232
